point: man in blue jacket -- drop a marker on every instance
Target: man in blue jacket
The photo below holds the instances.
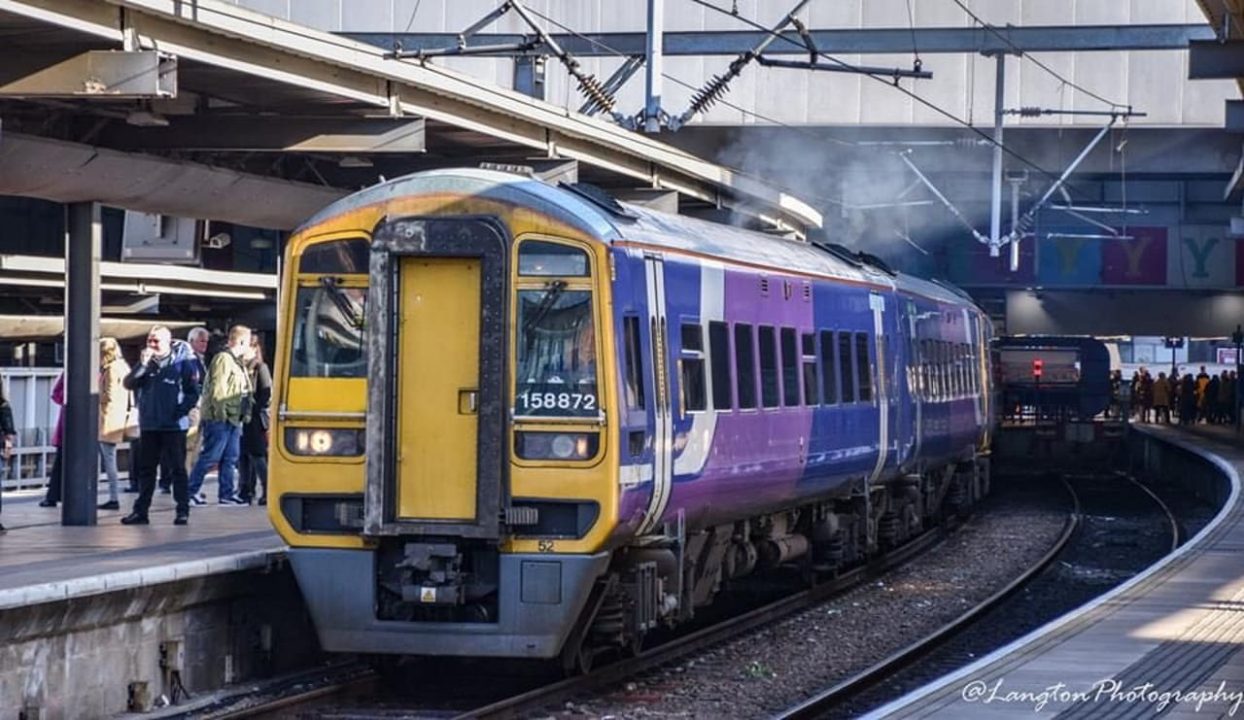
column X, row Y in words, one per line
column 167, row 380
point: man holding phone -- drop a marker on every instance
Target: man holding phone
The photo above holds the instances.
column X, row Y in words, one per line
column 167, row 381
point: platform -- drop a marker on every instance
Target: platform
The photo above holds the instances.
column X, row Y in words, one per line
column 41, row 560
column 1164, row 643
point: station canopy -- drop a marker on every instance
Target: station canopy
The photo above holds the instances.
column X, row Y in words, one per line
column 204, row 109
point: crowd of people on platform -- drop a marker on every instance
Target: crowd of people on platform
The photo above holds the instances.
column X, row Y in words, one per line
column 1187, row 400
column 184, row 408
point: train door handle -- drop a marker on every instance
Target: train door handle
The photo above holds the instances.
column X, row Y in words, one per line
column 468, row 401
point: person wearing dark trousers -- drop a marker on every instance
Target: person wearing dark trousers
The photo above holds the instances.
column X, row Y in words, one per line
column 253, row 465
column 54, row 477
column 7, row 433
column 168, row 383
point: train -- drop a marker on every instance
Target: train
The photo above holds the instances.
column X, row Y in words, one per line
column 1058, row 376
column 519, row 420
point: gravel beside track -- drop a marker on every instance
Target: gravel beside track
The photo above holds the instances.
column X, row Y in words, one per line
column 1122, row 532
column 764, row 672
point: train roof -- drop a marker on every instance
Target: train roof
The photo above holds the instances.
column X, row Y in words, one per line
column 619, row 222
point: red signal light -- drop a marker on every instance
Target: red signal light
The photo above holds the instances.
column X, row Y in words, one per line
column 1037, row 367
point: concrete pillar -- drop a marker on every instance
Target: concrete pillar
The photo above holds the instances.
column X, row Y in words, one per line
column 80, row 441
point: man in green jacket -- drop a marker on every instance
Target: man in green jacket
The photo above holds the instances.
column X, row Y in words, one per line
column 226, row 406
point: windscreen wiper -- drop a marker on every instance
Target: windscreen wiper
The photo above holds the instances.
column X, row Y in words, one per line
column 552, row 292
column 343, row 304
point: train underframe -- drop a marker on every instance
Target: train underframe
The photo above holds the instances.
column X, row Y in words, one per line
column 644, row 589
column 449, row 596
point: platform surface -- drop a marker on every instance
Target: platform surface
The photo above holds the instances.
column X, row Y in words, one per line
column 1165, row 644
column 41, row 560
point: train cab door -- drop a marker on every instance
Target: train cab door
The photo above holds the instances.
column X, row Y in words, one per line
column 435, row 421
column 662, row 405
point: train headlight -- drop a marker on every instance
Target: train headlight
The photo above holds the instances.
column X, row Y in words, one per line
column 319, row 442
column 556, row 445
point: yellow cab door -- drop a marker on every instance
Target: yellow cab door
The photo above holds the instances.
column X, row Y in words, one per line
column 438, row 387
column 435, row 411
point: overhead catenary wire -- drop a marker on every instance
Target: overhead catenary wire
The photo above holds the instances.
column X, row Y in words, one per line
column 891, row 82
column 1031, row 58
column 677, row 81
column 413, row 13
column 917, row 63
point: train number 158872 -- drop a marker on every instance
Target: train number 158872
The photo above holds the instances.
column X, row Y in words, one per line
column 532, row 401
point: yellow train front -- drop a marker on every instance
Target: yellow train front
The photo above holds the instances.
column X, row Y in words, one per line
column 423, row 515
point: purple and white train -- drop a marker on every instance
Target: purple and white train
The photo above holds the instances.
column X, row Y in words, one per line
column 582, row 418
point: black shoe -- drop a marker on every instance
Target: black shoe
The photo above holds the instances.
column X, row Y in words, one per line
column 181, row 520
column 132, row 489
column 166, row 490
column 263, row 500
column 47, row 503
column 2, row 530
column 135, row 519
column 110, row 505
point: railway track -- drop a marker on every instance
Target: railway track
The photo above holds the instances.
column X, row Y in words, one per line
column 841, row 693
column 350, row 695
column 355, row 680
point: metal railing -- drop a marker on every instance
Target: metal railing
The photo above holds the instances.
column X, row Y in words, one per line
column 29, row 392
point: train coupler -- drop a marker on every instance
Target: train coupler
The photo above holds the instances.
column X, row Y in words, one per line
column 431, row 574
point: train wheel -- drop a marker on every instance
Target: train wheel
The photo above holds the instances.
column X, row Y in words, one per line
column 577, row 660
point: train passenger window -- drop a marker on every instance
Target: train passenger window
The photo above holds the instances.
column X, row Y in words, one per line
column 811, row 393
column 719, row 356
column 848, row 368
column 634, row 364
column 538, row 258
column 863, row 368
column 931, row 386
column 328, row 339
column 790, row 369
column 952, row 367
column 965, row 383
column 939, row 354
column 767, row 338
column 694, row 390
column 952, row 384
column 829, row 369
column 745, row 365
column 556, row 353
column 336, row 257
column 944, row 349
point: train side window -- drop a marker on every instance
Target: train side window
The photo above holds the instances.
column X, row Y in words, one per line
column 745, row 365
column 767, row 338
column 829, row 368
column 719, row 356
column 694, row 392
column 863, row 368
column 634, row 364
column 945, row 350
column 810, row 390
column 975, row 371
column 926, row 379
column 847, row 374
column 965, row 382
column 953, row 364
column 953, row 382
column 790, row 368
column 943, row 378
